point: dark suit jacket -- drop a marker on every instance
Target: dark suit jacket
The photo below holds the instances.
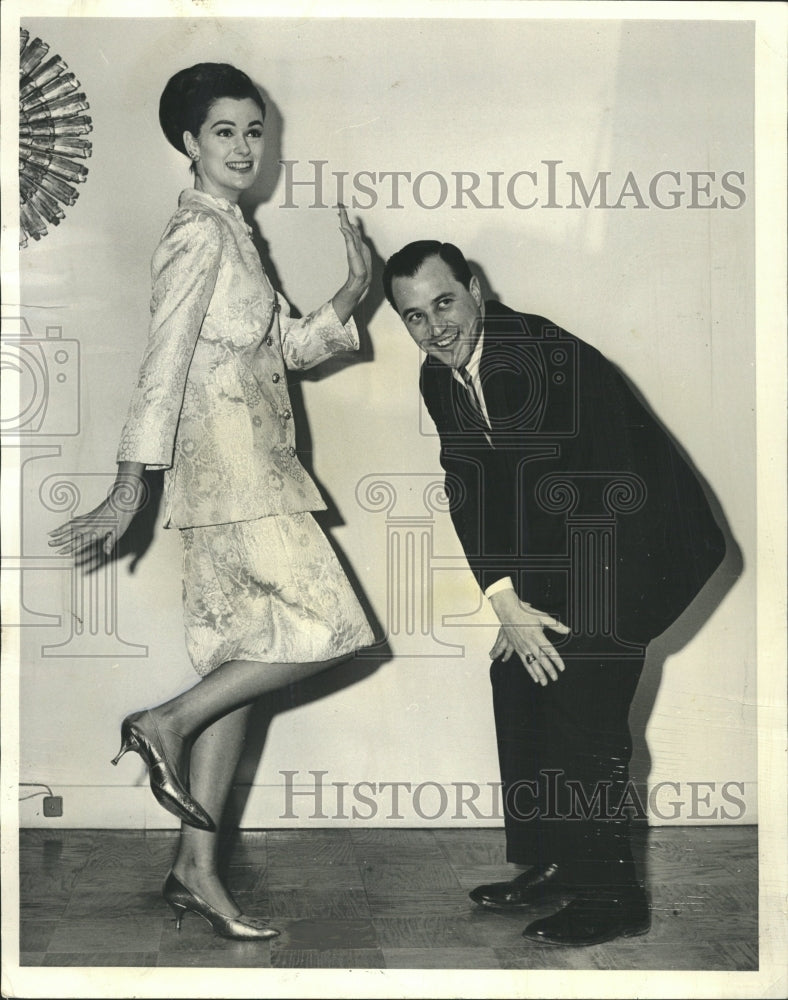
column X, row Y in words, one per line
column 582, row 497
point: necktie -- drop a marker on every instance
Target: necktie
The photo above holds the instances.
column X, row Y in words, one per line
column 473, row 396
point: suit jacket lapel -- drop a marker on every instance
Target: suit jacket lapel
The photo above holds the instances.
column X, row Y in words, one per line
column 447, row 400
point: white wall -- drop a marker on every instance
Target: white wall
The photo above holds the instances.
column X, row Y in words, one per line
column 667, row 294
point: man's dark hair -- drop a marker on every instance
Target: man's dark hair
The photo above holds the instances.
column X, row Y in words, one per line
column 406, row 262
column 188, row 97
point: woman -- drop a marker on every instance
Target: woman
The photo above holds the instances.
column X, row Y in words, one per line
column 266, row 603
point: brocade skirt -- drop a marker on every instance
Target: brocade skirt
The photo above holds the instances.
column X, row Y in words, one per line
column 270, row 590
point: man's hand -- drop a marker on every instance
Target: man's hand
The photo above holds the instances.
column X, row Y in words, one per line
column 522, row 632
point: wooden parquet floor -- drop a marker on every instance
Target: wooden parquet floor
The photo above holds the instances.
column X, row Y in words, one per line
column 372, row 898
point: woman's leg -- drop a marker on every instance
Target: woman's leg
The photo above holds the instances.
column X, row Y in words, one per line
column 218, row 708
column 231, row 686
column 214, row 759
column 214, row 714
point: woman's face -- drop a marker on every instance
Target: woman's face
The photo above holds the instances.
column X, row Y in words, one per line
column 229, row 147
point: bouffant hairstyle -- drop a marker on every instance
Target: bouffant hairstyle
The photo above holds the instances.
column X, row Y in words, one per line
column 189, row 94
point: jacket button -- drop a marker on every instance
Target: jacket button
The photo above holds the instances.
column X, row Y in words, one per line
column 269, row 340
column 286, row 415
column 291, row 451
column 275, row 377
column 277, row 307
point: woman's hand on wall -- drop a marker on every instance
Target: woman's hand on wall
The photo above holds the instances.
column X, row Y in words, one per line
column 91, row 537
column 359, row 266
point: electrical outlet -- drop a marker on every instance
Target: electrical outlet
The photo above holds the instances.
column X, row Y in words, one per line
column 53, row 805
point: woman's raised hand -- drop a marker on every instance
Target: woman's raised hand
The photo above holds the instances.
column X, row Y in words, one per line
column 359, row 266
column 359, row 256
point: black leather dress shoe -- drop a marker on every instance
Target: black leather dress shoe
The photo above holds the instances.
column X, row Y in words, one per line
column 538, row 883
column 590, row 920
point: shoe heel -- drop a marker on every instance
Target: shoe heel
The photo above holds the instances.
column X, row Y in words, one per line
column 128, row 742
column 178, row 909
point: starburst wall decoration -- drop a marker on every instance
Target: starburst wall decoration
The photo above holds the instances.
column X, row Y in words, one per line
column 52, row 126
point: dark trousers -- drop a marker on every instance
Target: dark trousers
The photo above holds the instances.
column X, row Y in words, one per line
column 564, row 753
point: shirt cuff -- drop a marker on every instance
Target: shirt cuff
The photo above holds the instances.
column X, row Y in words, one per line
column 505, row 583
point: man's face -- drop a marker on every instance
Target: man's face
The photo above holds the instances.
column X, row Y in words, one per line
column 441, row 314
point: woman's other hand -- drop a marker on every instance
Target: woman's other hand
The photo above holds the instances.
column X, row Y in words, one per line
column 90, row 538
column 359, row 266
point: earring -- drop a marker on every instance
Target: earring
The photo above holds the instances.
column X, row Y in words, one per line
column 194, row 156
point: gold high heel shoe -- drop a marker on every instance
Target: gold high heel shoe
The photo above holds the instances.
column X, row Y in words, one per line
column 240, row 928
column 164, row 781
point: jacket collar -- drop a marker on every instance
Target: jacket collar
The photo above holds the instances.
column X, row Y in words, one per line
column 191, row 197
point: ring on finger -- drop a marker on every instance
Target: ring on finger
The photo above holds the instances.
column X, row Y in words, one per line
column 529, row 659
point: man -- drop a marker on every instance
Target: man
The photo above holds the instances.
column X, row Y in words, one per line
column 590, row 534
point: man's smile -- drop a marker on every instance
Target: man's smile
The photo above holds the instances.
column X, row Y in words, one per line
column 446, row 339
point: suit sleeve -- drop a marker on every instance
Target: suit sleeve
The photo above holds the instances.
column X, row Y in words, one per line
column 184, row 270
column 495, row 537
column 315, row 338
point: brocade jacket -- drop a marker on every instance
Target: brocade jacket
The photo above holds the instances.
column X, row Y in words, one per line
column 211, row 405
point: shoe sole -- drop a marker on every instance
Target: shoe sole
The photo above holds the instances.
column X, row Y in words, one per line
column 548, row 896
column 626, row 933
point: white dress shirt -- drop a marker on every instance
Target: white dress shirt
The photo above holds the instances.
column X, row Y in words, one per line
column 472, row 367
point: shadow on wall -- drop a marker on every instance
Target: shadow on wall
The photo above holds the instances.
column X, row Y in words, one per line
column 688, row 624
column 291, row 697
column 685, row 628
column 673, row 639
column 260, row 194
column 265, row 184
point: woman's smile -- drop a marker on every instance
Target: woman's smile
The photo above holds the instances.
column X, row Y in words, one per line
column 229, row 148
